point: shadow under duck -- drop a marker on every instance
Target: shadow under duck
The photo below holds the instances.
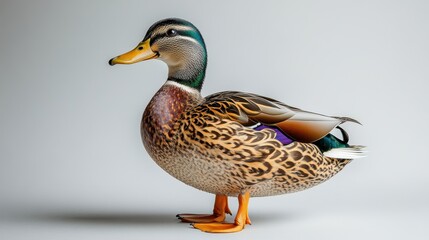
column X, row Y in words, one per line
column 229, row 143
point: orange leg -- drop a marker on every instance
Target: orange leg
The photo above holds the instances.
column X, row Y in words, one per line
column 241, row 219
column 219, row 212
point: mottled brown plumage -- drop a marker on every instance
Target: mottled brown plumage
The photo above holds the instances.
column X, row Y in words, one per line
column 216, row 144
column 200, row 142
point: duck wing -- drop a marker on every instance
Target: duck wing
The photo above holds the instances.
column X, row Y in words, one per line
column 249, row 109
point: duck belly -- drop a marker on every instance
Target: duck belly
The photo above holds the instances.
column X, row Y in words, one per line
column 217, row 176
column 208, row 175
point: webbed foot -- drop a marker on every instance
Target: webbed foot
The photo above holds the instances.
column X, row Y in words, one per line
column 241, row 219
column 219, row 212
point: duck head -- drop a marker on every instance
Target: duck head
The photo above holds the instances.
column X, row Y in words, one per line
column 176, row 42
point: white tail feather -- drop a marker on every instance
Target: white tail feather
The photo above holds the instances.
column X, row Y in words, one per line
column 351, row 152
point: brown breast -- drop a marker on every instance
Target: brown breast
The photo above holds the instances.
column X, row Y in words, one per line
column 163, row 111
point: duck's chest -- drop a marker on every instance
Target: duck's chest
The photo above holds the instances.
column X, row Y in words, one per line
column 162, row 117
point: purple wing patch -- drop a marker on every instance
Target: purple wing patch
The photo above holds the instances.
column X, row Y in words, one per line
column 285, row 140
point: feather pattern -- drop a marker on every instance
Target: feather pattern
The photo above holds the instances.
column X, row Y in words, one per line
column 279, row 134
column 248, row 109
column 353, row 152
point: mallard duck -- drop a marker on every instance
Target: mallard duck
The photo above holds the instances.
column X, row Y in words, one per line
column 230, row 143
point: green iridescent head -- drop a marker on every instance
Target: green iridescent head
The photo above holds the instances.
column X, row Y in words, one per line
column 176, row 42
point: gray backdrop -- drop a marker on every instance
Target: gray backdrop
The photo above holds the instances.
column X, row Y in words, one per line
column 72, row 165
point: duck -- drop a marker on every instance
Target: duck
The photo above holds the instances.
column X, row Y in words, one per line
column 231, row 143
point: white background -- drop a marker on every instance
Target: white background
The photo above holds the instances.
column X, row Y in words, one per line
column 72, row 165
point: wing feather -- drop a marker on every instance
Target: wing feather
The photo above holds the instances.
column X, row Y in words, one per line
column 249, row 109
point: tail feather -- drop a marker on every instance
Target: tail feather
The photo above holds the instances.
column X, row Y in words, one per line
column 352, row 152
column 348, row 119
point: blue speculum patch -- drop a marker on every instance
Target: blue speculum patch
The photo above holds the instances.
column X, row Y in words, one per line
column 280, row 136
column 326, row 143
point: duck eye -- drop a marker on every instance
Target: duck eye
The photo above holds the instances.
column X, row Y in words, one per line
column 171, row 32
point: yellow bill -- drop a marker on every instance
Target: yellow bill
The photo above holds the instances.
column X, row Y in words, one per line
column 140, row 53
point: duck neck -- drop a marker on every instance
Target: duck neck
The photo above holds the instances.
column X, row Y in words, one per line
column 190, row 69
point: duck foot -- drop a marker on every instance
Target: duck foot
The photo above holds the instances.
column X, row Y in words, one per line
column 241, row 219
column 201, row 218
column 219, row 212
column 218, row 227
